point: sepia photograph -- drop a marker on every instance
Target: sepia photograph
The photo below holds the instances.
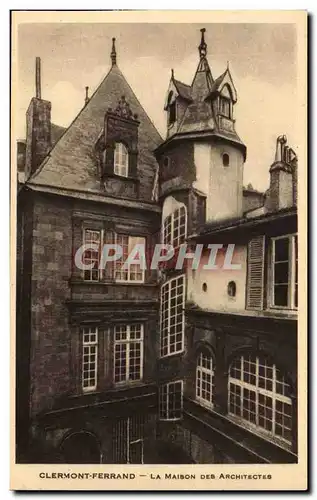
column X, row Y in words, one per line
column 160, row 175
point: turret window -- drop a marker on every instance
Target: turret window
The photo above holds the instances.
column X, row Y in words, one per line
column 171, row 109
column 121, row 160
column 172, row 316
column 175, row 226
column 172, row 114
column 225, row 160
column 224, row 107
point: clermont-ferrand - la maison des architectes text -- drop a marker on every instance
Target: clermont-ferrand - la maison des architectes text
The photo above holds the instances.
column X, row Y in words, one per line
column 153, row 366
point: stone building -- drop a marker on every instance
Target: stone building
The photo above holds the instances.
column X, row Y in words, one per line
column 154, row 366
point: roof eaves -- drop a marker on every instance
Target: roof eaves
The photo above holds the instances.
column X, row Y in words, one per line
column 98, row 197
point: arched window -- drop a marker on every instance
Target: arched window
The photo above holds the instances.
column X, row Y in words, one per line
column 259, row 396
column 121, row 160
column 175, row 227
column 205, row 379
column 225, row 160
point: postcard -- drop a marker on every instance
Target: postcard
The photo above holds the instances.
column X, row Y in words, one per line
column 159, row 250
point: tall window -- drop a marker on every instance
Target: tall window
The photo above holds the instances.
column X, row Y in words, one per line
column 91, row 256
column 171, row 400
column 285, row 272
column 171, row 109
column 90, row 362
column 133, row 272
column 128, row 353
column 259, row 396
column 121, row 160
column 175, row 227
column 172, row 316
column 224, row 107
column 172, row 113
column 205, row 379
column 128, row 437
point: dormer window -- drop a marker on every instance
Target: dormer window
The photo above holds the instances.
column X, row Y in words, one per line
column 121, row 160
column 171, row 109
column 172, row 114
column 224, row 107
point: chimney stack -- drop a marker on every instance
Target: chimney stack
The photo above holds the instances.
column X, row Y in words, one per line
column 283, row 176
column 38, row 127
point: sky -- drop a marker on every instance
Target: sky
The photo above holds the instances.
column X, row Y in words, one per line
column 262, row 60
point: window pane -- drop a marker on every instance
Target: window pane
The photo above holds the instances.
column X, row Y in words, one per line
column 281, row 273
column 281, row 295
column 282, row 249
column 121, row 160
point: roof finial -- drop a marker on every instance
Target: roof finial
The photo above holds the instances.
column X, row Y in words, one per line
column 228, row 65
column 203, row 46
column 38, row 77
column 113, row 54
column 86, row 96
column 172, row 74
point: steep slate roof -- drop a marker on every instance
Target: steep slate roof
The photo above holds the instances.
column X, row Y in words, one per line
column 56, row 133
column 184, row 90
column 72, row 164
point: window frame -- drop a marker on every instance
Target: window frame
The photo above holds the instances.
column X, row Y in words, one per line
column 168, row 284
column 91, row 331
column 200, row 370
column 119, row 168
column 173, row 106
column 168, row 237
column 223, row 99
column 128, row 270
column 168, row 385
column 257, row 390
column 128, row 341
column 101, row 242
column 223, row 156
column 292, row 239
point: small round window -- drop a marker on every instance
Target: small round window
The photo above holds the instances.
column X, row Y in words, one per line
column 204, row 287
column 225, row 160
column 232, row 289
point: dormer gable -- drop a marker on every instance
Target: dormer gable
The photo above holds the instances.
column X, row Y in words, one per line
column 178, row 97
column 117, row 146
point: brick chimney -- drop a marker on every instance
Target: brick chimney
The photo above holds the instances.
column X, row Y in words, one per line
column 283, row 177
column 38, row 127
